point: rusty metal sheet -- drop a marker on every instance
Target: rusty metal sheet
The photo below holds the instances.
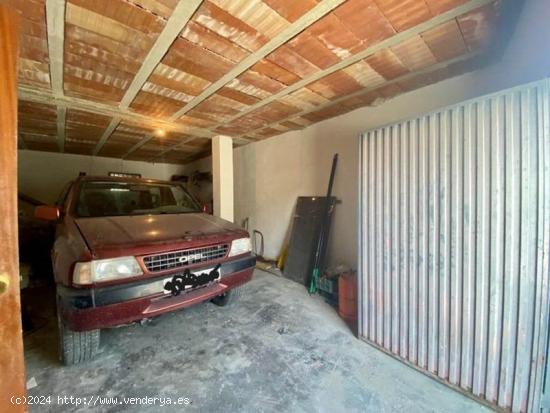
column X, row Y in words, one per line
column 83, row 131
column 335, row 35
column 293, row 62
column 311, row 48
column 161, row 8
column 212, row 41
column 354, row 14
column 335, row 85
column 87, row 67
column 191, row 121
column 106, row 42
column 276, row 72
column 123, row 12
column 441, row 6
column 34, row 73
column 130, row 132
column 231, row 130
column 223, row 23
column 90, row 89
column 255, row 13
column 80, row 41
column 404, row 14
column 387, row 64
column 178, row 80
column 266, row 133
column 168, row 139
column 414, row 54
column 309, row 97
column 123, row 138
column 237, row 96
column 246, row 123
column 365, row 75
column 291, row 10
column 37, row 126
column 33, row 46
column 112, row 30
column 166, row 92
column 276, row 110
column 255, row 84
column 190, row 58
column 445, row 41
column 146, row 152
column 155, row 105
column 76, row 49
column 216, row 108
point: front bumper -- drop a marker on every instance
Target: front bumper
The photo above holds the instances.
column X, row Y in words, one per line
column 89, row 309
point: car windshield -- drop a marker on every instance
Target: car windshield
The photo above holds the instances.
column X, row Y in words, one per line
column 101, row 199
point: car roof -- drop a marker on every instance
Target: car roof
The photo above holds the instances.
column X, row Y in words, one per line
column 125, row 179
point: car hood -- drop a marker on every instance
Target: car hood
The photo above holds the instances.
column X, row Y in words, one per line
column 139, row 230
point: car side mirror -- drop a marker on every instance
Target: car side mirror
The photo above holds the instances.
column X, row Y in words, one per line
column 47, row 212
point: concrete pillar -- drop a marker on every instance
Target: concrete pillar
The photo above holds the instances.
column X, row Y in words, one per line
column 222, row 176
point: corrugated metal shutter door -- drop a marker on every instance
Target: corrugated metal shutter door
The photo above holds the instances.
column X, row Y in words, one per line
column 454, row 243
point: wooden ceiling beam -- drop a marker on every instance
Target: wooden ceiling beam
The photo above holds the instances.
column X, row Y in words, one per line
column 408, row 76
column 182, row 144
column 138, row 145
column 171, row 148
column 319, row 11
column 182, row 13
column 55, row 25
column 384, row 44
column 44, row 96
column 107, row 134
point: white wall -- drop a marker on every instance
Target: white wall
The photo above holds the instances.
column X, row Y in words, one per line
column 42, row 175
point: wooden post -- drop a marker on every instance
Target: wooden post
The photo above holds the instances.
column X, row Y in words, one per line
column 12, row 371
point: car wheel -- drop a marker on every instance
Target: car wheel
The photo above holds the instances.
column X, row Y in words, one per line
column 229, row 297
column 76, row 346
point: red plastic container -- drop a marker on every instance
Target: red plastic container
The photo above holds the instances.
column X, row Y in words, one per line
column 347, row 296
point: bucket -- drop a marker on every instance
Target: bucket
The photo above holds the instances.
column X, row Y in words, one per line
column 347, row 296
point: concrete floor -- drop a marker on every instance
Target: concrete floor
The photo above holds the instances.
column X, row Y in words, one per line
column 277, row 350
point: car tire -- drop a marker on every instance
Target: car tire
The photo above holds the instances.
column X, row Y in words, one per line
column 76, row 346
column 229, row 297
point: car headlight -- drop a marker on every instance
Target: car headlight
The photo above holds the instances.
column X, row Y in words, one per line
column 240, row 246
column 105, row 270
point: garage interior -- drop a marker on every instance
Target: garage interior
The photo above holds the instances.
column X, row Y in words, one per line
column 439, row 111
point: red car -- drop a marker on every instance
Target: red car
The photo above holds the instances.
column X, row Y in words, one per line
column 128, row 249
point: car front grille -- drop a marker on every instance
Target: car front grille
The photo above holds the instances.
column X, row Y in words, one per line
column 183, row 258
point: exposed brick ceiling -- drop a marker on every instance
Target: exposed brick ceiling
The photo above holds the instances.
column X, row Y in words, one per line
column 215, row 78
